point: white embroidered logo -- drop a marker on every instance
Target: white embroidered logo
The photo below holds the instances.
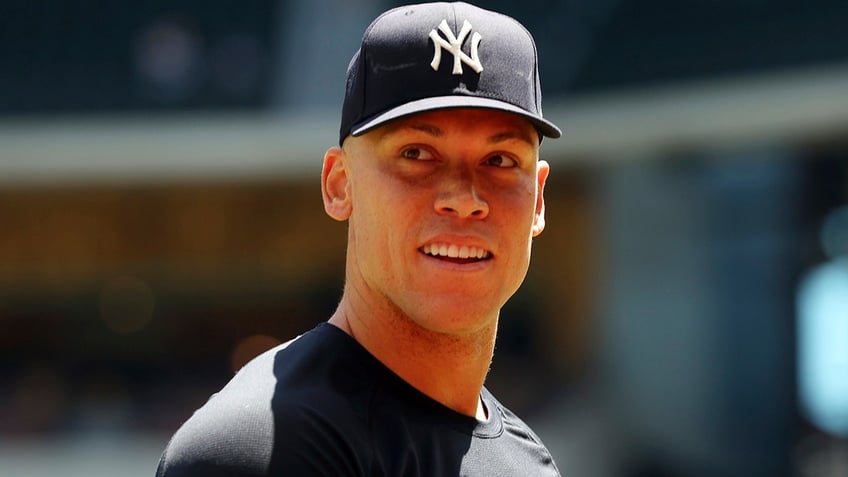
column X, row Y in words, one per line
column 454, row 46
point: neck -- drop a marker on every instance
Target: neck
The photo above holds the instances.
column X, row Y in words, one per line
column 449, row 368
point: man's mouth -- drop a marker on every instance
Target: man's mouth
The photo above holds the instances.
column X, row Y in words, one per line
column 456, row 253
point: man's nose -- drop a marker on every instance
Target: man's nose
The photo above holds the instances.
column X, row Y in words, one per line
column 459, row 195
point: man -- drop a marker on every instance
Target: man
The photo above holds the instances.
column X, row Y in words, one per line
column 438, row 176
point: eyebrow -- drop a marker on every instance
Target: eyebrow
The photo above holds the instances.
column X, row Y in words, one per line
column 435, row 131
column 426, row 128
column 506, row 136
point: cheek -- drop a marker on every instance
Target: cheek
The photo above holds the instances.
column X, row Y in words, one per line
column 519, row 203
column 381, row 215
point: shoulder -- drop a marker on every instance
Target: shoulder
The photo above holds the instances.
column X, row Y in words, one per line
column 231, row 433
column 518, row 441
column 290, row 409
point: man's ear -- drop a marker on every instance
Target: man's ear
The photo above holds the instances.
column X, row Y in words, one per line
column 543, row 169
column 335, row 184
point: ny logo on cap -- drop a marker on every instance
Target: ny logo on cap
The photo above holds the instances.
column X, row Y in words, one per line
column 454, row 46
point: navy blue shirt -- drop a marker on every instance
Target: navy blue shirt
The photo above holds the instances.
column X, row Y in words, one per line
column 321, row 405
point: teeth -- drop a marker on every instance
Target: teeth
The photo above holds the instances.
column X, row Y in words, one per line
column 455, row 251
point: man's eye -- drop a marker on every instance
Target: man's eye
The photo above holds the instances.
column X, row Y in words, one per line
column 499, row 160
column 416, row 153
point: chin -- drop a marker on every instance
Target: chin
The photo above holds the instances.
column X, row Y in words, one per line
column 456, row 321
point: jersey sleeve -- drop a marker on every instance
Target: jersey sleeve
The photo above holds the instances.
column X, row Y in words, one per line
column 289, row 412
column 219, row 440
column 297, row 439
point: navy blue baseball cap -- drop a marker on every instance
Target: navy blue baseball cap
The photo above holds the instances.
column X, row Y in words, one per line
column 435, row 56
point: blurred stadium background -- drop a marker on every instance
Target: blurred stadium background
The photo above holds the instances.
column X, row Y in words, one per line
column 686, row 314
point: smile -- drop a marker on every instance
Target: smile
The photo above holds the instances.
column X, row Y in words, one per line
column 452, row 251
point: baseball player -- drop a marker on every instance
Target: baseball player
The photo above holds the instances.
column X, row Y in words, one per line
column 438, row 176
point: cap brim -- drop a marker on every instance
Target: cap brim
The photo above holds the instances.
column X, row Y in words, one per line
column 545, row 127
